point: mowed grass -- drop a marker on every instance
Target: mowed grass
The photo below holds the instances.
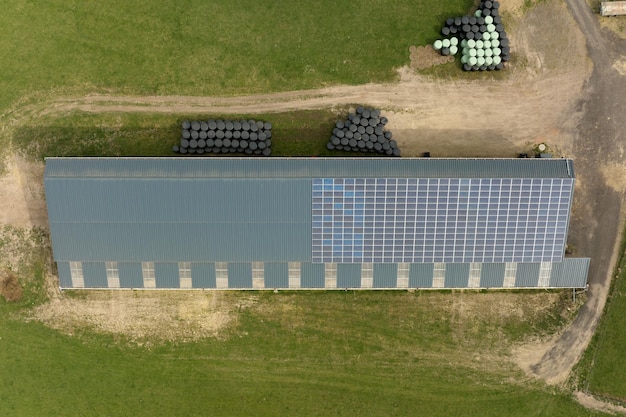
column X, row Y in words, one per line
column 296, row 133
column 603, row 368
column 307, row 354
column 198, row 47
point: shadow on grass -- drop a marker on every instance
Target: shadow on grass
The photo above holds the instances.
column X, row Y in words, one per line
column 294, row 134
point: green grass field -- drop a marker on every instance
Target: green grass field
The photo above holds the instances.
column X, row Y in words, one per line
column 602, row 369
column 307, row 353
column 195, row 47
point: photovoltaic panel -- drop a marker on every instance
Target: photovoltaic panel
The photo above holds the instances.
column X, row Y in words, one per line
column 419, row 220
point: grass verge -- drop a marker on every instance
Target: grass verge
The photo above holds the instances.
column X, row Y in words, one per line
column 601, row 370
column 306, row 353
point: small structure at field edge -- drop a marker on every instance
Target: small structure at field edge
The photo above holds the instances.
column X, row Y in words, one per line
column 613, row 8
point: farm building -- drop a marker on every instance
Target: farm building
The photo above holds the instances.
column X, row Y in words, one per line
column 305, row 223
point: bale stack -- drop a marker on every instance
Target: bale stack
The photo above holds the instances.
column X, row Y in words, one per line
column 481, row 38
column 363, row 131
column 250, row 137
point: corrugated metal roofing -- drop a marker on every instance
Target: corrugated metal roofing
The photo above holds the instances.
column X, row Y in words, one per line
column 492, row 275
column 385, row 275
column 203, row 275
column 95, row 275
column 571, row 273
column 307, row 168
column 312, row 275
column 276, row 274
column 348, row 275
column 138, row 219
column 130, row 274
column 527, row 274
column 65, row 276
column 166, row 275
column 421, row 275
column 457, row 275
column 240, row 275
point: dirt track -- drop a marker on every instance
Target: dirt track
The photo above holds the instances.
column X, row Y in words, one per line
column 551, row 95
column 598, row 150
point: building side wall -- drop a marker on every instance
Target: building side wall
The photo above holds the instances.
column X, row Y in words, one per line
column 203, row 275
column 166, row 275
column 276, row 275
column 131, row 275
column 95, row 275
column 385, row 276
column 527, row 275
column 571, row 273
column 65, row 277
column 312, row 275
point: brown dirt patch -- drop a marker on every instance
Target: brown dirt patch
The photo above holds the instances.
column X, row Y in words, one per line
column 22, row 200
column 592, row 403
column 10, row 288
column 614, row 176
column 145, row 317
column 425, row 57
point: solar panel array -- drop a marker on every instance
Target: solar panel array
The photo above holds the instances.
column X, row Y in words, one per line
column 440, row 219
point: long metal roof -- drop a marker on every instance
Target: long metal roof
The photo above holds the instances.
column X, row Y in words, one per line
column 176, row 167
column 222, row 209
